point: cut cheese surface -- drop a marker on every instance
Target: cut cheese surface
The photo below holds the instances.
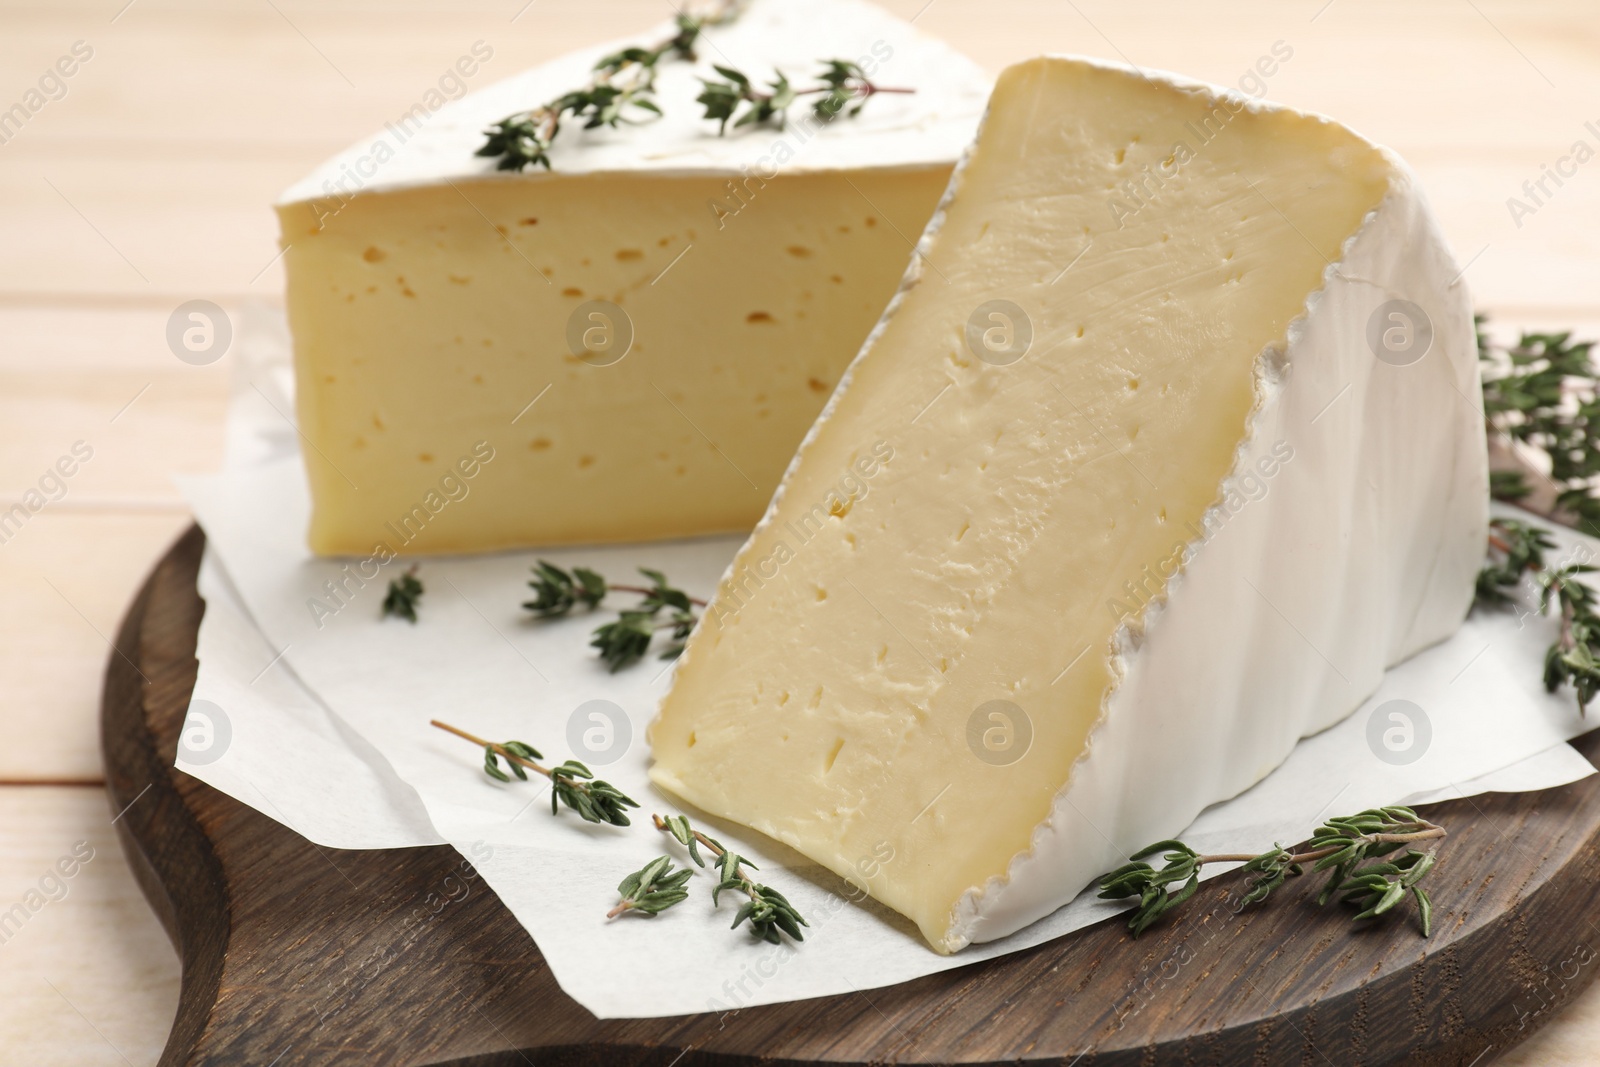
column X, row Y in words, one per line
column 639, row 337
column 1080, row 545
column 428, row 329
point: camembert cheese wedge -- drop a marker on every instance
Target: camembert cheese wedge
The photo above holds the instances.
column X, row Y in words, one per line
column 1169, row 445
column 638, row 338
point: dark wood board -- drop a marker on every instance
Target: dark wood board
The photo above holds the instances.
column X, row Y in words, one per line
column 295, row 954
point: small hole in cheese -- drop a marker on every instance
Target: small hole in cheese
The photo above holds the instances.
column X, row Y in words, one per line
column 759, row 316
column 833, row 755
column 374, row 255
column 816, row 385
column 799, row 251
column 627, row 255
column 529, row 221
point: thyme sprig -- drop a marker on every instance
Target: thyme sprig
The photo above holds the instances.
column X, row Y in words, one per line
column 1575, row 657
column 1340, row 846
column 621, row 86
column 652, row 889
column 768, row 911
column 843, row 82
column 571, row 783
column 625, row 641
column 405, row 593
column 1542, row 393
column 622, row 90
column 1517, row 549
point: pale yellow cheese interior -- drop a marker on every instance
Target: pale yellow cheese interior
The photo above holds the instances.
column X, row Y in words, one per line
column 828, row 698
column 428, row 320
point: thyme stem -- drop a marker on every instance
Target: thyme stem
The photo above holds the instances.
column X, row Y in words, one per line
column 1432, row 830
column 710, row 845
column 500, row 750
column 645, row 591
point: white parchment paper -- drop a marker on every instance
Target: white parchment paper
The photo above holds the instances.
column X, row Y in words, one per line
column 320, row 721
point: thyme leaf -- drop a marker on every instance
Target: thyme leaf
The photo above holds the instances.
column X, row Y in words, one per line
column 405, row 593
column 652, row 889
column 557, row 592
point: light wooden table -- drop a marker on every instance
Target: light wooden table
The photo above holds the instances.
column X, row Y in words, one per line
column 147, row 184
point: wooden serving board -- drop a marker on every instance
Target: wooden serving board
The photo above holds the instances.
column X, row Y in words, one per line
column 296, row 954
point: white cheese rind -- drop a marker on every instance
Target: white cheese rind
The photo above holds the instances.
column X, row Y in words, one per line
column 929, row 127
column 1379, row 459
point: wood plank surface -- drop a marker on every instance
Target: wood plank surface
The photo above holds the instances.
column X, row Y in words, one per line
column 149, row 183
column 88, row 978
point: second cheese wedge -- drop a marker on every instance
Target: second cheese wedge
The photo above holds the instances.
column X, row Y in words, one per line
column 1160, row 457
column 632, row 342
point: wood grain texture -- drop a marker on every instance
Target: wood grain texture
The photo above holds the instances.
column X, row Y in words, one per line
column 66, row 589
column 295, row 954
column 85, row 974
